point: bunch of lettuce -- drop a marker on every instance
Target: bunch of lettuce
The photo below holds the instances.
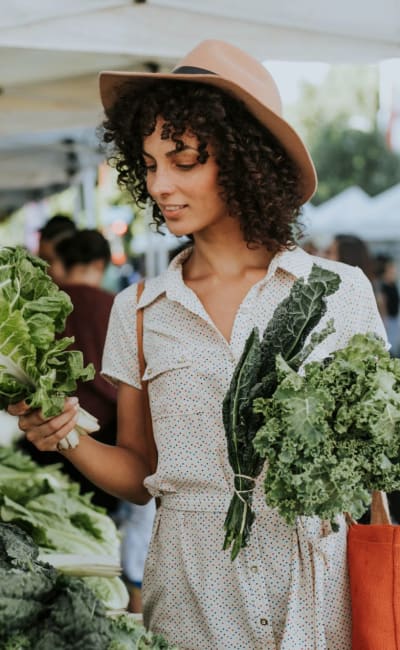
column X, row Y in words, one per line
column 332, row 435
column 35, row 366
column 256, row 376
column 72, row 533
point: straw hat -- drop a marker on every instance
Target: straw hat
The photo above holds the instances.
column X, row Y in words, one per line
column 225, row 66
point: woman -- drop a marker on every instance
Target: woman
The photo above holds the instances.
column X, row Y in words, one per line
column 208, row 147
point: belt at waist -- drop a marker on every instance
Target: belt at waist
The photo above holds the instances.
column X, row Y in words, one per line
column 203, row 502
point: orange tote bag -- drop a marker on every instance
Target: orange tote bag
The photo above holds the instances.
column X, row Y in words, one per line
column 374, row 568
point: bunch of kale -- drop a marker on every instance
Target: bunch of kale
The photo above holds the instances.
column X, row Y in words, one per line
column 42, row 609
column 256, row 376
column 332, row 435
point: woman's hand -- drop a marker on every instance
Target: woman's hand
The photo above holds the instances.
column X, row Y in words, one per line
column 46, row 434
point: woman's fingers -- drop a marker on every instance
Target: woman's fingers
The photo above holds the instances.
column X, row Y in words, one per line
column 45, row 434
column 18, row 409
column 47, row 439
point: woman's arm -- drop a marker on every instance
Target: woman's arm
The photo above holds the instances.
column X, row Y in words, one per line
column 119, row 470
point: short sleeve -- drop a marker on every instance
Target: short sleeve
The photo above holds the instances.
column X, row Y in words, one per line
column 365, row 312
column 120, row 359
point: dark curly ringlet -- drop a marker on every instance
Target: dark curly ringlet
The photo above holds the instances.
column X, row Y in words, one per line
column 258, row 180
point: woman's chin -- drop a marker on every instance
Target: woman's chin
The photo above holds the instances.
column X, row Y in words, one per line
column 178, row 229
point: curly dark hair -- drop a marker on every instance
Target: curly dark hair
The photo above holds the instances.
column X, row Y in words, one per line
column 258, row 180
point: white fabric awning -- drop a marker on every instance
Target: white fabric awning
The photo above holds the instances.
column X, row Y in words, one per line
column 51, row 52
column 353, row 212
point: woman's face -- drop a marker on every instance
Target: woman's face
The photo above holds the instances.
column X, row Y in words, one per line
column 186, row 191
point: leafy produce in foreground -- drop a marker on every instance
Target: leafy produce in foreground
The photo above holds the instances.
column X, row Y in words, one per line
column 35, row 366
column 48, row 506
column 41, row 609
column 256, row 376
column 72, row 532
column 332, row 436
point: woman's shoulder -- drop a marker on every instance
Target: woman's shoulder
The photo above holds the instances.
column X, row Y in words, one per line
column 127, row 295
column 127, row 298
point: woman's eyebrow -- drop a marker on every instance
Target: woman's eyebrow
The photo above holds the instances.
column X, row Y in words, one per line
column 173, row 152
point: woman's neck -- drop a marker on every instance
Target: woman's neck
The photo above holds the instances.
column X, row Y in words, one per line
column 225, row 259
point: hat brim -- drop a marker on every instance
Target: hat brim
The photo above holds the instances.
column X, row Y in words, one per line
column 111, row 81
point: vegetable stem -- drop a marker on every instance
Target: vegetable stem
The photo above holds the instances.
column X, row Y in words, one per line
column 86, row 424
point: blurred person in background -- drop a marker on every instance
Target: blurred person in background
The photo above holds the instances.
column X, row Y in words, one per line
column 135, row 523
column 85, row 257
column 386, row 279
column 352, row 250
column 57, row 228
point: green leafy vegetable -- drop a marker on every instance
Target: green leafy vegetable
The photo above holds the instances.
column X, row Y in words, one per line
column 332, row 436
column 84, row 565
column 245, row 463
column 34, row 366
column 41, row 609
column 48, row 506
column 130, row 635
column 111, row 591
column 22, row 480
column 256, row 375
column 64, row 521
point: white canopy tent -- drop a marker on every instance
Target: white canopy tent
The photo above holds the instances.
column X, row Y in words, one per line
column 373, row 218
column 52, row 51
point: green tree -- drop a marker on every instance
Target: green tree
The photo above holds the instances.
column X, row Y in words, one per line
column 338, row 121
column 344, row 157
column 348, row 93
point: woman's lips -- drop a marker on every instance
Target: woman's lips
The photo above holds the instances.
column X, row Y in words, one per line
column 172, row 209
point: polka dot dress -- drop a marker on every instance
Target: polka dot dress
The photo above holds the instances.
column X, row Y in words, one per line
column 288, row 590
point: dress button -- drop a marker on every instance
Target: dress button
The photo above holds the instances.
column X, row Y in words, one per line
column 254, row 569
column 149, row 371
column 263, row 621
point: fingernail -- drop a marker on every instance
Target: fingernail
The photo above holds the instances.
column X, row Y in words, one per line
column 73, row 400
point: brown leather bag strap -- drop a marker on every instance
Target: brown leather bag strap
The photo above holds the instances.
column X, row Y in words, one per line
column 380, row 508
column 151, row 445
column 379, row 511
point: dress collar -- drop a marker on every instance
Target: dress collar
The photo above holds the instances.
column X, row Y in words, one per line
column 296, row 262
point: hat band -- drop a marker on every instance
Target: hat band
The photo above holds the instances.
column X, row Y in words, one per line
column 188, row 69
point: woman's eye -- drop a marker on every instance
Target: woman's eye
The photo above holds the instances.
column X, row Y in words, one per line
column 186, row 167
column 150, row 168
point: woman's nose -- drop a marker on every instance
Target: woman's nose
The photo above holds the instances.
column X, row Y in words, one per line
column 159, row 183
